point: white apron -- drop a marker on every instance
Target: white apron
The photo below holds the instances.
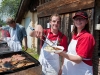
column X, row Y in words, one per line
column 71, row 68
column 13, row 42
column 49, row 61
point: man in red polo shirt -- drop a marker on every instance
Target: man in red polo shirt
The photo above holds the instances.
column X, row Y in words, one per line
column 50, row 61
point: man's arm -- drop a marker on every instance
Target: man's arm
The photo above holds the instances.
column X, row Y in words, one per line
column 25, row 40
column 24, row 37
column 38, row 32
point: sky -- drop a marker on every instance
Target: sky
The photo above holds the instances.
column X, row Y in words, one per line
column 0, row 1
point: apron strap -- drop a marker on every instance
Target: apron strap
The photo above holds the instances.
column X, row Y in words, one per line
column 42, row 42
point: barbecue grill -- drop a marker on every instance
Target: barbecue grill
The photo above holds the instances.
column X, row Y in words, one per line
column 12, row 69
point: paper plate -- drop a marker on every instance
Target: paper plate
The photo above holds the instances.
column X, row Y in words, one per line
column 56, row 49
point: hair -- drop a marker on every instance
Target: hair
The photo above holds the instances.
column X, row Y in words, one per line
column 85, row 28
column 55, row 14
column 10, row 20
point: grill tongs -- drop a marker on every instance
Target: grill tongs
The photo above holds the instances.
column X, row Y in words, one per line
column 44, row 40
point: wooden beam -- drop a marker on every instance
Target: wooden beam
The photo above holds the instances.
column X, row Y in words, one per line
column 21, row 11
column 63, row 6
column 54, row 3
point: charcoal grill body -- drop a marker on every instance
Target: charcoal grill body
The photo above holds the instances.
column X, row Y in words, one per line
column 34, row 69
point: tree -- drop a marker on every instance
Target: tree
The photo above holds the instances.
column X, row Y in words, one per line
column 2, row 22
column 9, row 8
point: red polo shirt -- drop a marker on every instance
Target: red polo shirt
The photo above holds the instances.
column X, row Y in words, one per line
column 5, row 33
column 85, row 46
column 52, row 37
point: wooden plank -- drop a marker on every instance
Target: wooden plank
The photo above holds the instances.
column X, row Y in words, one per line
column 54, row 3
column 63, row 6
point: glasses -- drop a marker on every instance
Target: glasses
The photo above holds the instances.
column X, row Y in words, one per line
column 79, row 19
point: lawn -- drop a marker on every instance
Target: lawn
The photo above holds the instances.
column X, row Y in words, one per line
column 32, row 52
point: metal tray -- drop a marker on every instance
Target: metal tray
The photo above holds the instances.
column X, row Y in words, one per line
column 29, row 57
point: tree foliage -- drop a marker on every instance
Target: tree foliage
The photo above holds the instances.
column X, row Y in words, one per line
column 9, row 8
column 2, row 22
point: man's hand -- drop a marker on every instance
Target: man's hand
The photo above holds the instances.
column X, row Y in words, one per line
column 60, row 72
column 39, row 31
column 25, row 48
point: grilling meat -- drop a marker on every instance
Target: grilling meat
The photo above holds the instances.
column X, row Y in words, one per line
column 3, row 69
column 13, row 62
column 20, row 65
column 29, row 63
column 6, row 60
column 17, row 57
column 56, row 48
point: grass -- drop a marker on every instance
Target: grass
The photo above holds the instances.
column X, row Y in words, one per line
column 33, row 53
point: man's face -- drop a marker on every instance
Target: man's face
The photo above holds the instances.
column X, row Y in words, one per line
column 55, row 22
column 13, row 25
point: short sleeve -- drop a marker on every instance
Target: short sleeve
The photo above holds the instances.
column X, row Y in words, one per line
column 24, row 32
column 85, row 46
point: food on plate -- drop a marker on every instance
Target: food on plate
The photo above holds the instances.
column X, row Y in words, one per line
column 57, row 48
column 49, row 48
